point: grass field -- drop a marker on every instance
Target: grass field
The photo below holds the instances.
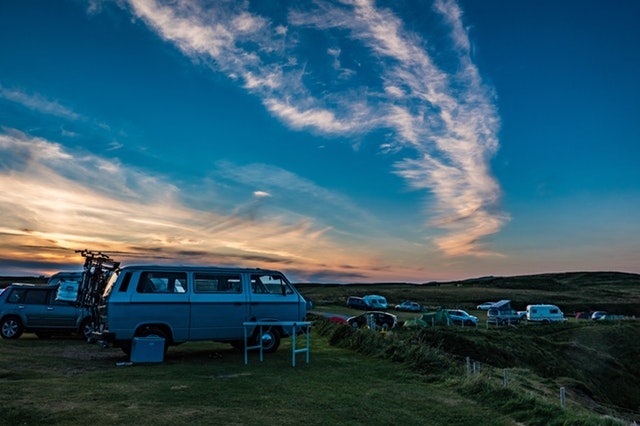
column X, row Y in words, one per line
column 413, row 377
column 67, row 381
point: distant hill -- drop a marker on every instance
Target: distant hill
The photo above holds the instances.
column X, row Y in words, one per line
column 617, row 292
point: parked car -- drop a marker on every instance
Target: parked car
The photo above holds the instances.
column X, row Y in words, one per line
column 356, row 302
column 27, row 308
column 461, row 317
column 408, row 306
column 602, row 315
column 485, row 306
column 375, row 319
column 583, row 315
column 64, row 276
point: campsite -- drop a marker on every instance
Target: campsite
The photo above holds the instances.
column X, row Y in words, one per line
column 355, row 376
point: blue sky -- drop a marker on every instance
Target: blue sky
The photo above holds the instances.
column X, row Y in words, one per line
column 346, row 141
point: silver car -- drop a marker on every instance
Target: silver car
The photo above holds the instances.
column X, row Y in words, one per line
column 26, row 308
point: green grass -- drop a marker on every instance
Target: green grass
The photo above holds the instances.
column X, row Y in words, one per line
column 358, row 376
column 71, row 382
column 354, row 377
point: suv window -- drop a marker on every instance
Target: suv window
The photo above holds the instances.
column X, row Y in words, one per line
column 36, row 297
column 17, row 295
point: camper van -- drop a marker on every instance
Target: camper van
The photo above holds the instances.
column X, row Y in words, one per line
column 375, row 301
column 187, row 303
column 544, row 313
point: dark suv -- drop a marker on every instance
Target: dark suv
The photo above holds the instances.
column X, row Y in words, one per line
column 28, row 308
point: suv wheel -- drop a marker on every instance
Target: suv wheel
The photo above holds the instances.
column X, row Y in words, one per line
column 11, row 328
column 86, row 328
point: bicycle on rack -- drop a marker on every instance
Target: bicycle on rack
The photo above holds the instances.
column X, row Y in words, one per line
column 98, row 268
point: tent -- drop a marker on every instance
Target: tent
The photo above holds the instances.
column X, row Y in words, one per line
column 429, row 319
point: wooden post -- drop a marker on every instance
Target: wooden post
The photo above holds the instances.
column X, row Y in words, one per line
column 468, row 366
column 505, row 377
column 562, row 397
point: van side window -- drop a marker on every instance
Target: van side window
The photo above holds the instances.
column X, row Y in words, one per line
column 216, row 283
column 162, row 282
column 269, row 284
column 125, row 282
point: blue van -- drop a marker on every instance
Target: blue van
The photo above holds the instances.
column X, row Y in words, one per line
column 190, row 303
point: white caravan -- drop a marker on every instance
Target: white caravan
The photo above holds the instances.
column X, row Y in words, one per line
column 375, row 301
column 544, row 313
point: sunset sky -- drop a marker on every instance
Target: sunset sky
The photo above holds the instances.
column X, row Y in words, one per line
column 337, row 141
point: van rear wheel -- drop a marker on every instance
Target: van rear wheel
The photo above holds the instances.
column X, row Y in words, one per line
column 270, row 339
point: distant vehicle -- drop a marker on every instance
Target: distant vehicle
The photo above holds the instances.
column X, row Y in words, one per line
column 582, row 315
column 408, row 306
column 338, row 319
column 375, row 301
column 374, row 319
column 485, row 306
column 64, row 276
column 27, row 308
column 501, row 313
column 544, row 313
column 459, row 316
column 356, row 302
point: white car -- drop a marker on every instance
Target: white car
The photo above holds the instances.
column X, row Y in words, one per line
column 462, row 317
column 485, row 306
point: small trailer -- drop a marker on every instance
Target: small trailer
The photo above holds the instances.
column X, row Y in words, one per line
column 544, row 313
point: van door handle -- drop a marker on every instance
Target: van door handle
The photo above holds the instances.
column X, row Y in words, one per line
column 49, row 309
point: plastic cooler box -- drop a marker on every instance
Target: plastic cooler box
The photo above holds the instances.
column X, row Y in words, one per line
column 147, row 349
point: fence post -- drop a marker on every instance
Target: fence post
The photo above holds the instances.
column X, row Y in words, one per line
column 476, row 367
column 468, row 366
column 505, row 377
column 562, row 397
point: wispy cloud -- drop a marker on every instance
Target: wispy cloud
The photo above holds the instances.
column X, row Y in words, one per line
column 38, row 103
column 377, row 75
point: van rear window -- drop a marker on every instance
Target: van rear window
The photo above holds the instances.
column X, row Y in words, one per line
column 217, row 283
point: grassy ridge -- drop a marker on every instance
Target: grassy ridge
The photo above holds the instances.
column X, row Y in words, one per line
column 532, row 392
column 573, row 292
column 596, row 361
